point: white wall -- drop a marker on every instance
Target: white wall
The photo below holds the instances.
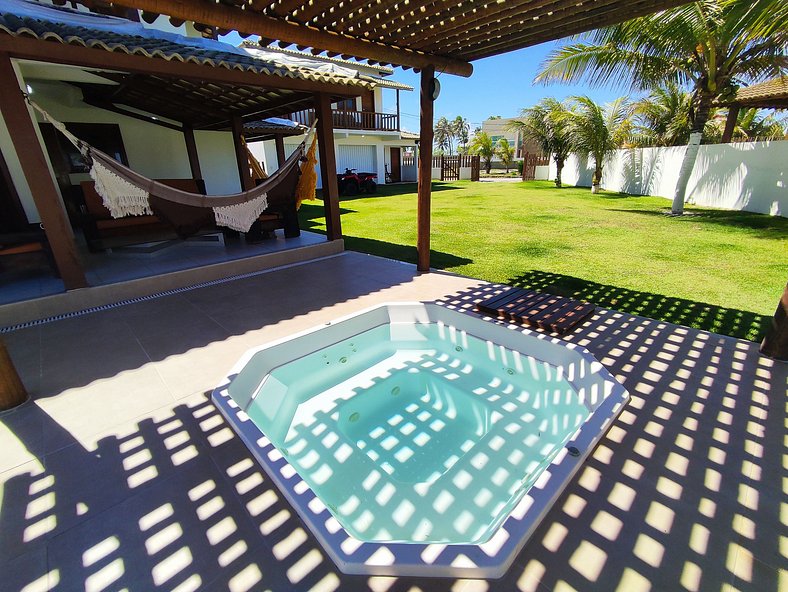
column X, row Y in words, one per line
column 217, row 162
column 750, row 176
column 542, row 172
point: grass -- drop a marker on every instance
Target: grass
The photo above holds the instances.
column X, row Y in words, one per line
column 711, row 269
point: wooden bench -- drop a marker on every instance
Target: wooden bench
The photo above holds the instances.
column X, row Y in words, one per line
column 536, row 309
column 98, row 223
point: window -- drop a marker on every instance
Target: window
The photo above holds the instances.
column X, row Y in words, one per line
column 346, row 105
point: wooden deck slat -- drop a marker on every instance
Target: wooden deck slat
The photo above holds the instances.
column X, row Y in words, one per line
column 573, row 318
column 526, row 300
column 502, row 304
column 533, row 305
column 554, row 312
column 492, row 303
column 546, row 311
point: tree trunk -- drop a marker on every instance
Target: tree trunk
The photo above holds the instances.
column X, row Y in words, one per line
column 597, row 180
column 559, row 164
column 691, row 154
column 775, row 344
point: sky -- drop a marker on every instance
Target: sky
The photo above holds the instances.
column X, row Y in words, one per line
column 501, row 85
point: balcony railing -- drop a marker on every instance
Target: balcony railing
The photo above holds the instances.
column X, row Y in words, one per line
column 358, row 120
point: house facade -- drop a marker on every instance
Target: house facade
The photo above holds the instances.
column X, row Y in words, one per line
column 171, row 105
column 368, row 135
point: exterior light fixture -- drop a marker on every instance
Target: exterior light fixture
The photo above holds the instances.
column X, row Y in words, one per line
column 435, row 89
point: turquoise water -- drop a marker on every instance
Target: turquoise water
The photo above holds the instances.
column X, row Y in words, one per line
column 418, row 433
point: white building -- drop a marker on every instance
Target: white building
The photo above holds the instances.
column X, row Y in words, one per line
column 367, row 137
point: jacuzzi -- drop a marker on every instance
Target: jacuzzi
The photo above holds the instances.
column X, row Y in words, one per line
column 413, row 439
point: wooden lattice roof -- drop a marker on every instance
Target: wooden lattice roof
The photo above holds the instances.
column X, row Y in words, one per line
column 446, row 34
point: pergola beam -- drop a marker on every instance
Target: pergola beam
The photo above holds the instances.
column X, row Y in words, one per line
column 328, row 165
column 34, row 166
column 425, row 169
column 226, row 17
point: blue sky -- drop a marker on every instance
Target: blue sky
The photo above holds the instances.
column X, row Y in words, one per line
column 500, row 85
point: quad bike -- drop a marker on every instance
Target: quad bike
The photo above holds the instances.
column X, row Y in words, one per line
column 351, row 183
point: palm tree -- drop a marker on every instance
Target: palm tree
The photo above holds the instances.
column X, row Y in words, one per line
column 444, row 135
column 482, row 144
column 709, row 45
column 461, row 129
column 544, row 125
column 663, row 118
column 598, row 130
column 505, row 152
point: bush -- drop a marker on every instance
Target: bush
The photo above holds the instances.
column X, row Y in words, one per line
column 520, row 167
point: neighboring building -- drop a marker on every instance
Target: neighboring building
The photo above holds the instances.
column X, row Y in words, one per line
column 499, row 128
column 366, row 137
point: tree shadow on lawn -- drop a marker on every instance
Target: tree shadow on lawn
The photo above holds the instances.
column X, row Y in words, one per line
column 310, row 218
column 771, row 227
column 405, row 253
column 396, row 189
column 740, row 324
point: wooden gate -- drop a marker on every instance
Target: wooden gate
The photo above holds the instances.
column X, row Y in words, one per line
column 450, row 166
column 530, row 162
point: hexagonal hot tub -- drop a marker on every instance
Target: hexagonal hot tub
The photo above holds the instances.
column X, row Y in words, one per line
column 417, row 440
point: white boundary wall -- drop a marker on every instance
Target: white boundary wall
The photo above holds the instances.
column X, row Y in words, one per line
column 750, row 176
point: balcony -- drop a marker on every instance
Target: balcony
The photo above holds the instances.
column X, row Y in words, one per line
column 354, row 120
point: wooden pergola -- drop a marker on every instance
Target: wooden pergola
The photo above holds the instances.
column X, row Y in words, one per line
column 770, row 94
column 427, row 35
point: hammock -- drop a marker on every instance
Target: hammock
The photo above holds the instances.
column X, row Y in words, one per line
column 125, row 192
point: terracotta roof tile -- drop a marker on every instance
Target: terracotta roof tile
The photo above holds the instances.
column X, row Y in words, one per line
column 159, row 48
column 774, row 90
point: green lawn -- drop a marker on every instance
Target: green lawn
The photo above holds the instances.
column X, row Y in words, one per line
column 711, row 269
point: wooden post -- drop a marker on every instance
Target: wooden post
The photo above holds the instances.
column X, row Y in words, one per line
column 34, row 165
column 191, row 151
column 730, row 123
column 775, row 344
column 328, row 165
column 12, row 391
column 244, row 174
column 399, row 116
column 279, row 142
column 425, row 169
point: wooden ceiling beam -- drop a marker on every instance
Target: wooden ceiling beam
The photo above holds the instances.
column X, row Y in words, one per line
column 359, row 13
column 338, row 13
column 227, row 17
column 515, row 24
column 467, row 21
column 286, row 7
column 571, row 26
column 107, row 106
column 391, row 29
column 59, row 53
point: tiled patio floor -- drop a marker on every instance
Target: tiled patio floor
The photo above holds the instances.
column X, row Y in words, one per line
column 120, row 474
column 33, row 277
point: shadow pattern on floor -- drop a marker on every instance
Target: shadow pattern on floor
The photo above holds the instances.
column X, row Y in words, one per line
column 740, row 324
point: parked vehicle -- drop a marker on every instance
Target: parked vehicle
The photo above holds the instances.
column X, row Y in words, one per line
column 369, row 182
column 351, row 183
